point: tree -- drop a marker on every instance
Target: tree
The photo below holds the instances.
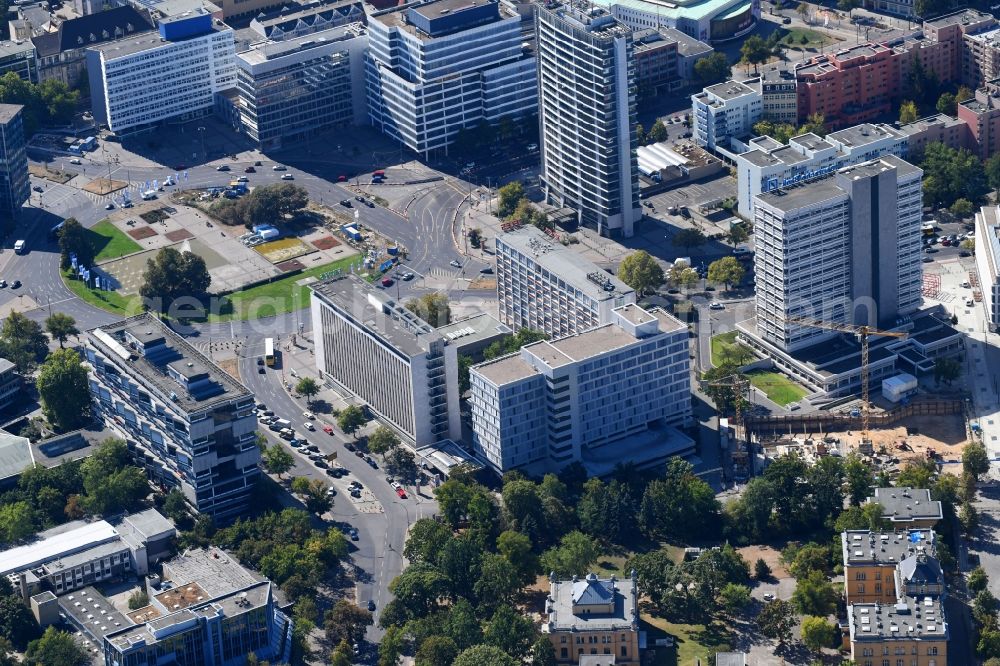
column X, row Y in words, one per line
column 780, row 132
column 516, row 549
column 908, row 112
column 314, row 492
column 63, row 388
column 737, row 234
column 968, row 518
column 383, row 440
column 484, row 655
column 343, row 655
column 916, row 474
column 390, row 648
column 754, row 51
column 498, row 581
column 171, row 275
column 402, row 464
column 975, row 459
column 462, row 626
column 512, row 343
column 817, row 633
column 432, row 308
column 814, row 595
column 728, row 271
column 138, row 599
column 858, row 478
column 992, row 170
column 350, row 419
column 17, row 625
column 419, row 588
column 74, row 239
column 543, row 653
column 574, row 554
column 436, row 651
column 22, row 341
column 17, row 521
column 950, row 174
column 678, row 505
column 640, row 271
column 60, row 326
column 110, row 483
column 733, row 597
column 713, row 68
column 947, row 104
column 776, row 620
column 308, row 387
column 346, row 622
column 55, row 648
column 276, row 460
column 962, row 208
column 977, row 580
column 848, row 5
column 984, row 607
column 657, row 133
column 803, row 11
column 175, row 506
column 689, row 238
column 761, row 571
column 946, row 369
column 508, row 197
column 510, row 631
column 808, row 558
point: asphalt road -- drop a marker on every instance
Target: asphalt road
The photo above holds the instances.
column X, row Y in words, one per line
column 381, row 535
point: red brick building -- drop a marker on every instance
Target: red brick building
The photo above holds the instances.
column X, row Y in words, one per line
column 851, row 86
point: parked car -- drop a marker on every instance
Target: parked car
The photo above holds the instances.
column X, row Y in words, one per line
column 279, row 167
column 309, row 415
column 328, row 429
column 309, row 426
column 16, row 284
column 222, row 167
column 387, row 282
column 346, row 203
column 249, row 169
column 407, row 276
column 401, row 493
column 287, row 176
column 715, row 305
column 371, row 606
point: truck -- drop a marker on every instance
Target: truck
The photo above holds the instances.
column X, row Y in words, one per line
column 19, row 247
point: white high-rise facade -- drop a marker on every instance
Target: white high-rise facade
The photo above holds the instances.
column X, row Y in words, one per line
column 843, row 248
column 587, row 116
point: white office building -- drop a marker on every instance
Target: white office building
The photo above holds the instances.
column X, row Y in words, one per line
column 988, row 262
column 842, row 248
column 725, row 111
column 437, row 67
column 615, row 393
column 770, row 164
column 587, row 113
column 543, row 285
column 140, row 81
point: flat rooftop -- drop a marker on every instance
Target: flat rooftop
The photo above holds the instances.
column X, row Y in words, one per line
column 806, row 193
column 506, row 369
column 911, row 619
column 560, row 606
column 395, row 17
column 215, row 571
column 177, row 353
column 473, row 329
column 263, row 52
column 564, row 263
column 902, row 505
column 60, row 541
column 16, row 454
column 376, row 310
column 729, row 90
column 7, row 113
column 92, row 611
column 181, row 596
column 148, row 41
column 863, row 135
column 963, row 17
column 861, row 547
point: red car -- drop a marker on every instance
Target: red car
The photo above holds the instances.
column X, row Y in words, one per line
column 328, row 429
column 945, row 242
column 341, row 179
column 401, row 493
column 386, row 282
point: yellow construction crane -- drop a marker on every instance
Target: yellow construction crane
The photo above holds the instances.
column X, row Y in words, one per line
column 862, row 333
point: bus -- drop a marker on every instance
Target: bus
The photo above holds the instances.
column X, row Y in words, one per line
column 927, row 228
column 269, row 351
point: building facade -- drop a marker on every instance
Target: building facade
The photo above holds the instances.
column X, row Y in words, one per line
column 708, row 21
column 656, row 62
column 593, row 616
column 10, row 383
column 374, row 348
column 139, row 82
column 850, row 86
column 843, row 248
column 289, row 90
column 988, row 262
column 725, row 111
column 547, row 287
column 15, row 188
column 771, row 164
column 779, row 95
column 613, row 393
column 188, row 423
column 20, row 58
column 588, row 137
column 981, row 114
column 438, row 67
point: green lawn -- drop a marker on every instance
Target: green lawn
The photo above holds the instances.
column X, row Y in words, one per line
column 276, row 297
column 111, row 301
column 693, row 641
column 779, row 388
column 814, row 38
column 719, row 343
column 109, row 242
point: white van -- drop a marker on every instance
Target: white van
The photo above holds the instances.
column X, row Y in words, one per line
column 19, row 247
column 148, row 195
column 969, row 303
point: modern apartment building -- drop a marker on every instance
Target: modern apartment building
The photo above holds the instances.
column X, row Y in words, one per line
column 725, row 111
column 593, row 620
column 611, row 394
column 908, row 508
column 15, row 188
column 81, row 553
column 779, row 95
column 138, row 82
column 187, row 422
column 981, row 114
column 543, row 285
column 290, row 89
column 988, row 262
column 372, row 347
column 939, row 128
column 213, row 612
column 850, row 86
column 771, row 165
column 587, row 116
column 62, row 54
column 19, row 57
column 841, row 248
column 435, row 68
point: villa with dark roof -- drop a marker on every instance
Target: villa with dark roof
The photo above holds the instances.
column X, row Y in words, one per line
column 593, row 620
column 62, row 54
column 908, row 507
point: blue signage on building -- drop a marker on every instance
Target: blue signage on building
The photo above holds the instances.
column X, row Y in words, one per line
column 775, row 183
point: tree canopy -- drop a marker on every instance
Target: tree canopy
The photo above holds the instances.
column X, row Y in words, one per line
column 713, row 68
column 950, row 174
column 62, row 386
column 641, row 271
column 172, row 275
column 432, row 308
column 22, row 341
